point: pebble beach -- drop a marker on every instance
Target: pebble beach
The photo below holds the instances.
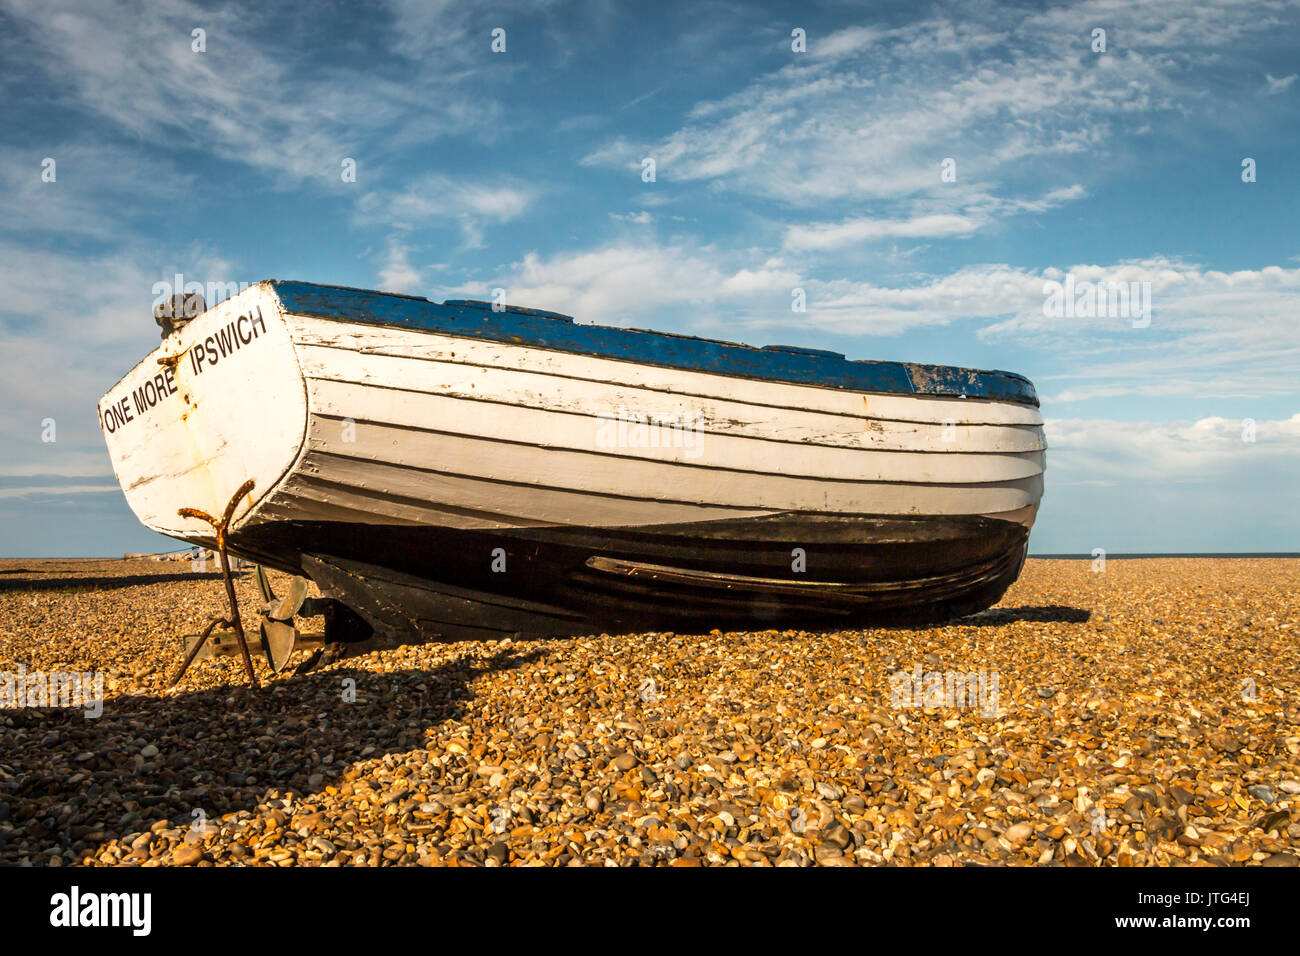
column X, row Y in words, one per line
column 1144, row 714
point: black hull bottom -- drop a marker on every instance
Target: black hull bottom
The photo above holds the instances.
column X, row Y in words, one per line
column 787, row 571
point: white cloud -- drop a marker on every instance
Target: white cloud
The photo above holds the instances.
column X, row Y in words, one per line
column 251, row 97
column 833, row 235
column 1276, row 86
column 853, row 307
column 87, row 301
column 397, row 274
column 624, row 282
column 421, row 26
column 1209, row 450
column 869, row 113
column 70, row 326
column 98, row 189
column 848, row 40
column 1211, row 334
column 1182, row 485
column 435, row 198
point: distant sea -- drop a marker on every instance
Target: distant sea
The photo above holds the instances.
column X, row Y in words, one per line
column 1176, row 554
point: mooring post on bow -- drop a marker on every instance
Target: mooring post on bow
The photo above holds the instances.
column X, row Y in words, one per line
column 234, row 622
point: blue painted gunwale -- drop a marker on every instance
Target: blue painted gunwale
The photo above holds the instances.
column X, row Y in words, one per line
column 550, row 330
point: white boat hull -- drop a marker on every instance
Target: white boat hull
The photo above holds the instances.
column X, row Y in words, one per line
column 351, row 424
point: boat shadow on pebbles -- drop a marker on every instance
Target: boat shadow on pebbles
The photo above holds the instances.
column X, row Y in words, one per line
column 1049, row 614
column 163, row 765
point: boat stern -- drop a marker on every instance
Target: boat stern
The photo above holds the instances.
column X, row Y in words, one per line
column 220, row 401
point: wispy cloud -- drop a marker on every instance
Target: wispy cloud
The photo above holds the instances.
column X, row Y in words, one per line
column 70, row 325
column 1205, row 451
column 975, row 211
column 833, row 235
column 95, row 190
column 397, row 273
column 1275, row 86
column 247, row 97
column 870, row 112
column 436, row 198
column 626, row 282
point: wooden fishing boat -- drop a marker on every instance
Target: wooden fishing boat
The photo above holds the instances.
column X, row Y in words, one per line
column 457, row 470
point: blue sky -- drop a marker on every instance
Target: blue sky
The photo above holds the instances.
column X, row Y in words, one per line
column 774, row 170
